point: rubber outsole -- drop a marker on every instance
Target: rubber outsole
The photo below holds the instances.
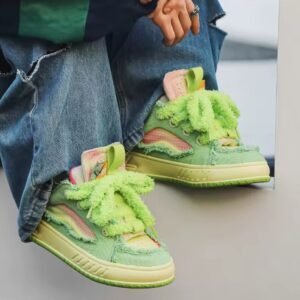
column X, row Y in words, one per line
column 199, row 176
column 50, row 239
column 229, row 183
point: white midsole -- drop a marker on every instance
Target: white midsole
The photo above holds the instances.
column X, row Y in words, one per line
column 97, row 268
column 157, row 167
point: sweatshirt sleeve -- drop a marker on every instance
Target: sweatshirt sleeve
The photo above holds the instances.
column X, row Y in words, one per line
column 62, row 21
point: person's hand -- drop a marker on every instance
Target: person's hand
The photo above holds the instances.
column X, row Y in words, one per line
column 190, row 6
column 174, row 20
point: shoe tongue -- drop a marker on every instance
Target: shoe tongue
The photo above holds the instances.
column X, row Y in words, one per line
column 179, row 83
column 99, row 162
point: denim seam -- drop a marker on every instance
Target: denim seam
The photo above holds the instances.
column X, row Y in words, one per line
column 213, row 26
column 38, row 193
column 28, row 80
column 139, row 128
column 121, row 97
column 37, row 207
column 35, row 104
column 36, row 64
column 34, row 203
column 133, row 138
column 216, row 17
column 135, row 135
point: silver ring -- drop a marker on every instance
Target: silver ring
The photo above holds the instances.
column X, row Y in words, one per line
column 195, row 12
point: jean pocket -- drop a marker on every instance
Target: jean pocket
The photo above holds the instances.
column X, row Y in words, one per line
column 216, row 34
column 7, row 73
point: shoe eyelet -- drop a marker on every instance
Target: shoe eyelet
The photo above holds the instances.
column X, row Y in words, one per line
column 186, row 133
column 172, row 124
column 104, row 232
column 198, row 141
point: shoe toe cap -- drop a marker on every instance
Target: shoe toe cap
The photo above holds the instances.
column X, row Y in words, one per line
column 237, row 155
column 127, row 255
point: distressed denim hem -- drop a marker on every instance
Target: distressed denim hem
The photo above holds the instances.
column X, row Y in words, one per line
column 39, row 197
column 133, row 139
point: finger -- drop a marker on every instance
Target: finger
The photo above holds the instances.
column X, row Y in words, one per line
column 167, row 10
column 167, row 30
column 161, row 4
column 185, row 21
column 178, row 30
column 177, row 5
column 194, row 19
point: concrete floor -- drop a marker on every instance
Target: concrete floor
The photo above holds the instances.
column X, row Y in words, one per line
column 223, row 242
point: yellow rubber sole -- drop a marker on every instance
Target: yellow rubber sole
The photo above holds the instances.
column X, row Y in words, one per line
column 99, row 270
column 198, row 176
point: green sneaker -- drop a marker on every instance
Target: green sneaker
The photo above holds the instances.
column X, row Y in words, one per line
column 194, row 140
column 97, row 223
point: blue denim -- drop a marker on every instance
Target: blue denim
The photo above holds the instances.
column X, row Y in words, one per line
column 56, row 102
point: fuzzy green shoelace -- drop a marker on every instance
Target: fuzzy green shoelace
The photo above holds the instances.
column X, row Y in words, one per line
column 210, row 113
column 115, row 215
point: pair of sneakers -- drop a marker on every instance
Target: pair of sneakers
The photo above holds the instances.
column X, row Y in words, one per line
column 96, row 221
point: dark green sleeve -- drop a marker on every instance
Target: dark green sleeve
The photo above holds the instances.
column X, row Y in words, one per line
column 62, row 21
